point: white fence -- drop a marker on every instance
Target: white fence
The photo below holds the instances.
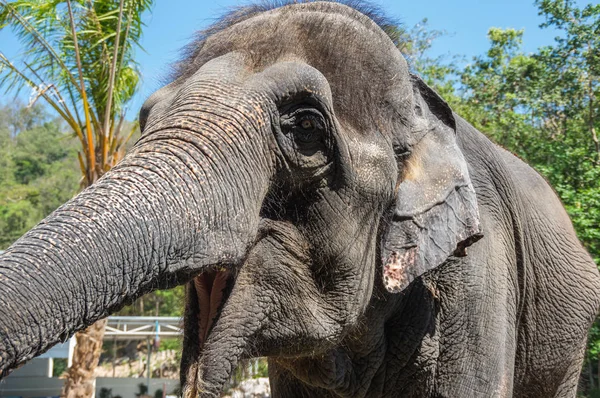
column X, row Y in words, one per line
column 142, row 327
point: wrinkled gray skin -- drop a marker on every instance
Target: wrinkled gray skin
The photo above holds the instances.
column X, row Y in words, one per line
column 383, row 248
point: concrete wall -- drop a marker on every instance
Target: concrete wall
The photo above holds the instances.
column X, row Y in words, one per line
column 127, row 387
column 34, row 386
column 37, row 367
column 30, row 387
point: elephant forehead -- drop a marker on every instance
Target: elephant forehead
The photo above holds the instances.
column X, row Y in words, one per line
column 361, row 64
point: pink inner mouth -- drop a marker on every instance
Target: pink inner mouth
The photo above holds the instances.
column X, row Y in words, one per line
column 210, row 287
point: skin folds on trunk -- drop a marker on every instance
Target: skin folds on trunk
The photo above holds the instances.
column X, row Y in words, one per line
column 161, row 216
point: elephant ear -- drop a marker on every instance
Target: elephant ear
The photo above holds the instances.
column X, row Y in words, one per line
column 436, row 213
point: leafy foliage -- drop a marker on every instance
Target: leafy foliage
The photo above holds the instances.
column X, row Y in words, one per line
column 543, row 107
column 79, row 57
column 38, row 170
column 159, row 303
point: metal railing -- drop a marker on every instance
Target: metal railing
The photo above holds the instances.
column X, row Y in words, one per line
column 142, row 327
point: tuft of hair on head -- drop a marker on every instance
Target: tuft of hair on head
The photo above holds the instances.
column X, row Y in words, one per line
column 185, row 66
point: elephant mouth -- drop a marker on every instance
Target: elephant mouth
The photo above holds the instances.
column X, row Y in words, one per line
column 212, row 288
column 233, row 310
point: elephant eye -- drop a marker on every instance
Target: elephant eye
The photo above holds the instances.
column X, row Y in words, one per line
column 308, row 129
column 307, row 124
column 304, row 138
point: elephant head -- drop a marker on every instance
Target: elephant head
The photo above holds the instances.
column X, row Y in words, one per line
column 292, row 169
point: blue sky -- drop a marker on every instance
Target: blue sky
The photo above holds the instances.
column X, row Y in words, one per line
column 172, row 23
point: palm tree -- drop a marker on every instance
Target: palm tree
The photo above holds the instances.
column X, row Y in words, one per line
column 78, row 56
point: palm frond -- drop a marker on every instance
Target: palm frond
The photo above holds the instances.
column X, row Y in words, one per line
column 80, row 57
column 32, row 35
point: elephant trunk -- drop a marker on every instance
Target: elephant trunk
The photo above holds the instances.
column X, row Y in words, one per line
column 181, row 202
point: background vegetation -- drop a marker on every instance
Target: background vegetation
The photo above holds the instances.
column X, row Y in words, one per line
column 542, row 106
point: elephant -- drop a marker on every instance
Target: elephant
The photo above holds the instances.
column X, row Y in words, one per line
column 326, row 209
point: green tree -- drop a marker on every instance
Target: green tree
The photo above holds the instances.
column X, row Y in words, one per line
column 38, row 171
column 79, row 57
column 159, row 303
column 541, row 107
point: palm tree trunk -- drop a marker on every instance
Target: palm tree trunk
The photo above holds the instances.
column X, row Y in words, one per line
column 80, row 382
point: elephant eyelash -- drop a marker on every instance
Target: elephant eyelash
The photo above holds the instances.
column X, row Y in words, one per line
column 291, row 121
column 401, row 153
column 308, row 136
